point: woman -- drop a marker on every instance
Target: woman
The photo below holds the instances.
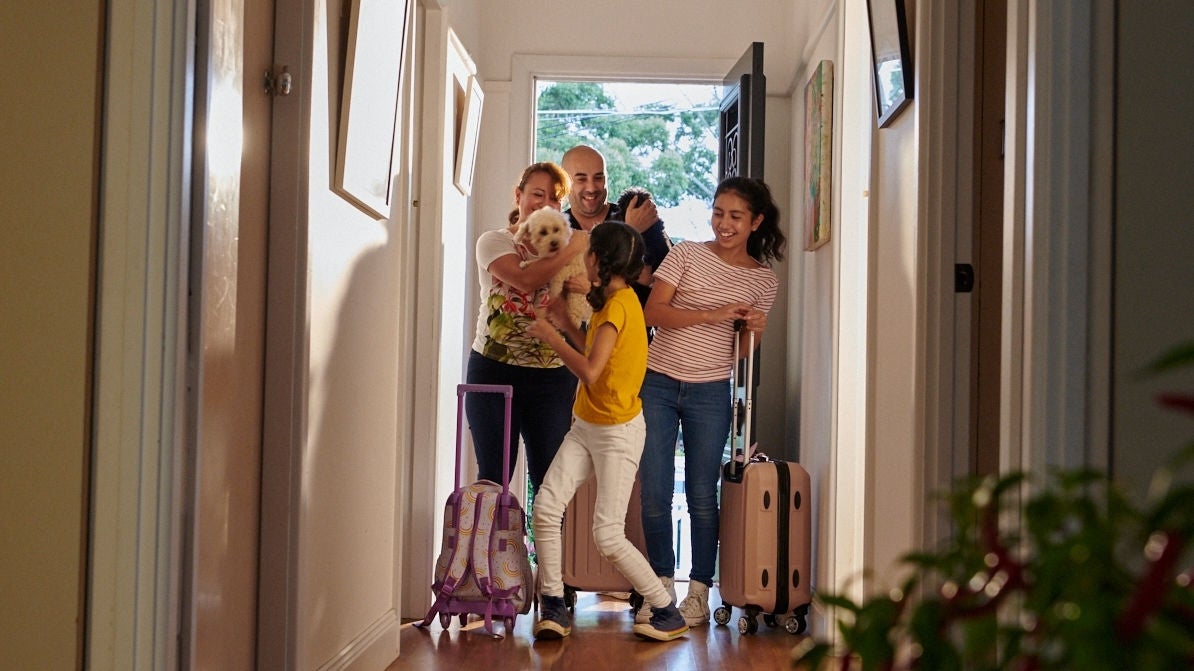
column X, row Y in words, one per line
column 504, row 353
column 700, row 290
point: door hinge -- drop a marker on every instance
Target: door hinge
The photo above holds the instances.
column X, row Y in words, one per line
column 278, row 84
column 963, row 278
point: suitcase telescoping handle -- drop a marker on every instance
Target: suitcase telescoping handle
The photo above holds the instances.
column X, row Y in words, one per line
column 739, row 453
column 508, row 392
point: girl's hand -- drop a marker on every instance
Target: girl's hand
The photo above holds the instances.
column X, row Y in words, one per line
column 728, row 312
column 577, row 284
column 756, row 320
column 542, row 329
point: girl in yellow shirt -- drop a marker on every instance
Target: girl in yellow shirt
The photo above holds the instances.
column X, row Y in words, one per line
column 607, row 433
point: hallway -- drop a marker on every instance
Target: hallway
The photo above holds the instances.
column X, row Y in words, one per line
column 600, row 639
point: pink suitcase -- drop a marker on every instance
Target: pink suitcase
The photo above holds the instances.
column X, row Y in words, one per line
column 766, row 533
column 585, row 570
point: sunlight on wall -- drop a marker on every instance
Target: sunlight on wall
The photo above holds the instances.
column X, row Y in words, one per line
column 225, row 133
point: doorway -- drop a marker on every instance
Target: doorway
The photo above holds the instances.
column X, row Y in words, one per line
column 655, row 135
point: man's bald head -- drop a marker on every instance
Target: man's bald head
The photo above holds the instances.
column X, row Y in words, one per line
column 587, row 198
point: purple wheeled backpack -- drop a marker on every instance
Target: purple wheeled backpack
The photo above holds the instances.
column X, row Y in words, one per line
column 483, row 568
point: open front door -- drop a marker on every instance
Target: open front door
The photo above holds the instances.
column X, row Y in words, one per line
column 741, row 128
column 741, row 123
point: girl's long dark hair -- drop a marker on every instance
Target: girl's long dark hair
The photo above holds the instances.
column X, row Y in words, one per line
column 766, row 243
column 619, row 250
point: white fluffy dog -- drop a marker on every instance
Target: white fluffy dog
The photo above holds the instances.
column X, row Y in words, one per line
column 546, row 231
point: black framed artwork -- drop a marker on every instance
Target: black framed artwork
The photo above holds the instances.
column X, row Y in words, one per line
column 891, row 54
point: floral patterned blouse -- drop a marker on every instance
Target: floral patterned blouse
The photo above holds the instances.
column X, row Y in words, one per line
column 506, row 312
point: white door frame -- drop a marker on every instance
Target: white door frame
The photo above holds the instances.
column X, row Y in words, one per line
column 1055, row 384
column 136, row 503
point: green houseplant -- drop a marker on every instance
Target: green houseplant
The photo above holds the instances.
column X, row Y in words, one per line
column 1089, row 581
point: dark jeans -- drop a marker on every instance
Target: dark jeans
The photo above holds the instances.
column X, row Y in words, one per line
column 541, row 413
column 702, row 411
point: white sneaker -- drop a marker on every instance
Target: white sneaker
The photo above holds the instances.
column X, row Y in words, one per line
column 643, row 616
column 695, row 607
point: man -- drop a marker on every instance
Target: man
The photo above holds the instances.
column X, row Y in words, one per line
column 588, row 206
column 587, row 199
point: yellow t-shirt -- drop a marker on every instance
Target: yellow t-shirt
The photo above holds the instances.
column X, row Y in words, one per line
column 613, row 397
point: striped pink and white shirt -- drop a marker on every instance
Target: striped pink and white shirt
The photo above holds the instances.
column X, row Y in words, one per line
column 705, row 352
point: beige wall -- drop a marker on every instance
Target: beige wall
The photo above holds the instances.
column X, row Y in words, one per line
column 47, row 238
column 1154, row 231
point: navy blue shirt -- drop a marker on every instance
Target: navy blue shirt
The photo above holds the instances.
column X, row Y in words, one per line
column 657, row 245
column 655, row 239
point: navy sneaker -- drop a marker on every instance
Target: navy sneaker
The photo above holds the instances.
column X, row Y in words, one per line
column 554, row 619
column 666, row 624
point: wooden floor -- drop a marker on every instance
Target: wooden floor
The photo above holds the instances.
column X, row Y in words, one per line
column 601, row 639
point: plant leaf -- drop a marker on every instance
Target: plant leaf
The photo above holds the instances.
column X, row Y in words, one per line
column 1182, row 355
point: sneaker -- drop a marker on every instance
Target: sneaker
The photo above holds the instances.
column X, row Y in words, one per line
column 554, row 619
column 643, row 615
column 695, row 607
column 666, row 624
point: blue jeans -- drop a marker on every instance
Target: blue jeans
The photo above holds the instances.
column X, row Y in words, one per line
column 702, row 410
column 541, row 412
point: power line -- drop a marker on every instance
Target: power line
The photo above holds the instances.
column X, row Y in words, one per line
column 588, row 113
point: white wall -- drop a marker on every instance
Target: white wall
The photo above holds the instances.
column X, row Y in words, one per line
column 697, row 29
column 345, row 543
column 442, row 287
column 812, row 298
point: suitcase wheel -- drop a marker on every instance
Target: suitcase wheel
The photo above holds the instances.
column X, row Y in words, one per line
column 570, row 597
column 797, row 622
column 747, row 625
column 721, row 615
column 445, row 620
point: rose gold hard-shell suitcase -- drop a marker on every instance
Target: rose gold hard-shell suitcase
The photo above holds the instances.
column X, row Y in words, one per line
column 766, row 532
column 585, row 570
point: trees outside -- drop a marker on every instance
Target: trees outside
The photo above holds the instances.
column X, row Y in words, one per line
column 667, row 148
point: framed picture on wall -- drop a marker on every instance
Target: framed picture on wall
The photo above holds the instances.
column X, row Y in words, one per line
column 891, row 54
column 818, row 156
column 367, row 140
column 469, row 128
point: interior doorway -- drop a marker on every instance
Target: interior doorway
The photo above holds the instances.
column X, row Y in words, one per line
column 658, row 136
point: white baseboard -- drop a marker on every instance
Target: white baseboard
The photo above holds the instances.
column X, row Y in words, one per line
column 374, row 648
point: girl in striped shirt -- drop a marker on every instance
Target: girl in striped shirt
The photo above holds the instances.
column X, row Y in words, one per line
column 700, row 289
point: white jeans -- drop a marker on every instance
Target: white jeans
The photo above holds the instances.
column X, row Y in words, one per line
column 613, row 453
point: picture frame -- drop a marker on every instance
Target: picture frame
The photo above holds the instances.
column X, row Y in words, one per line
column 369, row 106
column 818, row 156
column 891, row 55
column 468, row 132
